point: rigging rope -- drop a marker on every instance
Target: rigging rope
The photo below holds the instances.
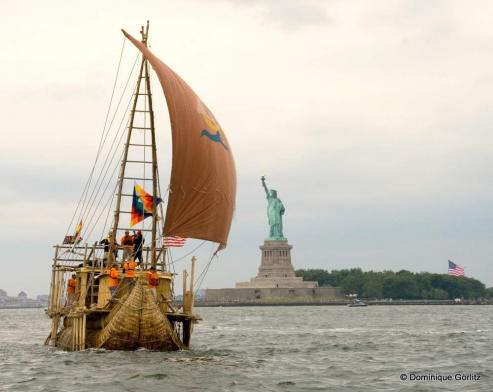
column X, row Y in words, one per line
column 106, row 136
column 99, row 184
column 201, row 277
column 112, row 199
column 95, row 191
column 88, row 182
column 188, row 254
column 87, row 229
column 112, row 160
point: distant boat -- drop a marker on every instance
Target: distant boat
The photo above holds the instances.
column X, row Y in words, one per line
column 356, row 303
column 200, row 205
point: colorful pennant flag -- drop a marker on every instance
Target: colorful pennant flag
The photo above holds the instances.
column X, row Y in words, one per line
column 76, row 238
column 455, row 269
column 142, row 205
column 78, row 229
column 174, row 242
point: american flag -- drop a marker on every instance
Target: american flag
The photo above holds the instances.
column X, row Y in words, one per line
column 455, row 269
column 174, row 242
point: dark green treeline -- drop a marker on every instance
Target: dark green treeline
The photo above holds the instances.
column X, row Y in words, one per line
column 399, row 285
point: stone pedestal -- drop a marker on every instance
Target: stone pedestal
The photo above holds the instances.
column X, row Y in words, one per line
column 276, row 269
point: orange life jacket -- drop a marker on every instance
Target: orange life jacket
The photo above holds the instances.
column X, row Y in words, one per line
column 71, row 285
column 113, row 281
column 127, row 240
column 152, row 279
column 129, row 268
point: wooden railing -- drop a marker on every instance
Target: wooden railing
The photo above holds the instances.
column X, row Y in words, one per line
column 88, row 263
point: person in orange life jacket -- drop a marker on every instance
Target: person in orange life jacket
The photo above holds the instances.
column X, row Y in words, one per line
column 129, row 268
column 71, row 286
column 113, row 279
column 127, row 242
column 138, row 245
column 153, row 281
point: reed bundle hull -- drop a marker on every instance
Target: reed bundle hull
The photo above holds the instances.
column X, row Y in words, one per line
column 133, row 319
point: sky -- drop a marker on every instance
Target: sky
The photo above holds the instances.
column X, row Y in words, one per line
column 372, row 120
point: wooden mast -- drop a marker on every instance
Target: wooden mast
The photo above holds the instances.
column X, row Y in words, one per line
column 154, row 156
column 143, row 74
column 123, row 165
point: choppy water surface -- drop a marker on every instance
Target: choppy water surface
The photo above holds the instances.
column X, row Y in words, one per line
column 269, row 349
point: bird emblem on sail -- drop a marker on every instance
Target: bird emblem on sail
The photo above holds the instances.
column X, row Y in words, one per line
column 142, row 205
column 213, row 130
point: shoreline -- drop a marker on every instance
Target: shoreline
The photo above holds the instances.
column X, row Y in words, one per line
column 209, row 304
column 24, row 307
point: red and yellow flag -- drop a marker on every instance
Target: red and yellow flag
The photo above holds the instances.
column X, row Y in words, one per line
column 143, row 205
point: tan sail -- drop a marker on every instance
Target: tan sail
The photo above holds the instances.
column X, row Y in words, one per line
column 203, row 177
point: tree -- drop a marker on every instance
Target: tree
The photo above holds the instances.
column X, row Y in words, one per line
column 372, row 288
column 402, row 284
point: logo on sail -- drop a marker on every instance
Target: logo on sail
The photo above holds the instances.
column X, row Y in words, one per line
column 213, row 130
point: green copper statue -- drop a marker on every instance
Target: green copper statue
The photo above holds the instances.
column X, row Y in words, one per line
column 275, row 211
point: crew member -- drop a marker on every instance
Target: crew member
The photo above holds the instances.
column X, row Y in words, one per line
column 138, row 245
column 127, row 242
column 71, row 286
column 114, row 279
column 153, row 280
column 129, row 268
column 106, row 242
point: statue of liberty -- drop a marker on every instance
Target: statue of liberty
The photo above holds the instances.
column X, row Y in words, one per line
column 275, row 211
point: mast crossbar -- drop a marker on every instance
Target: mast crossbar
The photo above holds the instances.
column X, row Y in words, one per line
column 140, row 145
column 137, row 178
column 133, row 228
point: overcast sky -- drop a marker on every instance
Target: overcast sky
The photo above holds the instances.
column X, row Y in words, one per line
column 371, row 119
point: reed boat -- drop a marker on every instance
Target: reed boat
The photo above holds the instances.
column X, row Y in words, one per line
column 91, row 305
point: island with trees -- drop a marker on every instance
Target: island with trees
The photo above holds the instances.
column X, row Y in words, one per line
column 399, row 285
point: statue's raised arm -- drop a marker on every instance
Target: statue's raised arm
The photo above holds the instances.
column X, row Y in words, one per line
column 265, row 187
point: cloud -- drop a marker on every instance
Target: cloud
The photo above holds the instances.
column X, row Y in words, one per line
column 291, row 15
column 294, row 14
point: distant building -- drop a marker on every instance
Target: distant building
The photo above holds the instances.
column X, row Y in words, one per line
column 21, row 301
column 43, row 298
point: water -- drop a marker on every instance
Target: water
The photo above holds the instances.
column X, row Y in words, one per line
column 269, row 349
